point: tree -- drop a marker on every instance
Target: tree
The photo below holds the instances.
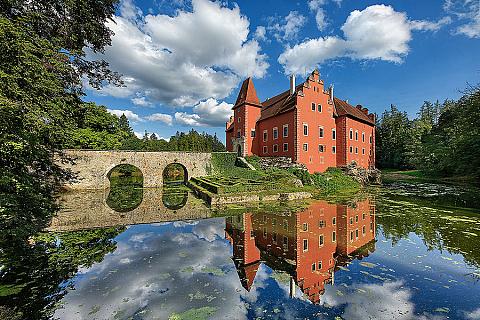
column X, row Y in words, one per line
column 42, row 66
column 393, row 139
column 124, row 125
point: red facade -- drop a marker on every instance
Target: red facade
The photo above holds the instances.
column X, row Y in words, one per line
column 306, row 123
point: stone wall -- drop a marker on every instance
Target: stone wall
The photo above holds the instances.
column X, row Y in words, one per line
column 92, row 167
column 280, row 163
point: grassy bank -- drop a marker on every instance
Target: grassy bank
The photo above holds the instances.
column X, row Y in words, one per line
column 228, row 178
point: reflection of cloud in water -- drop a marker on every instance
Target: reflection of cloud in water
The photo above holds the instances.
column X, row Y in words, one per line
column 157, row 282
column 210, row 232
column 390, row 300
column 181, row 224
column 473, row 315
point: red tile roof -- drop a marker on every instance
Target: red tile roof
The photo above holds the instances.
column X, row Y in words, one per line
column 344, row 109
column 278, row 104
column 247, row 94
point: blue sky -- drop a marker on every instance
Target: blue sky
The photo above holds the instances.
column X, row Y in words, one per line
column 183, row 61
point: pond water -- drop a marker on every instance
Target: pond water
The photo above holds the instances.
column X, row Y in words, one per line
column 389, row 253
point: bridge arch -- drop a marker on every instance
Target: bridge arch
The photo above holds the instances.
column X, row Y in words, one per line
column 175, row 173
column 92, row 167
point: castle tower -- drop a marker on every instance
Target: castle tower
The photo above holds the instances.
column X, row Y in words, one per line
column 247, row 110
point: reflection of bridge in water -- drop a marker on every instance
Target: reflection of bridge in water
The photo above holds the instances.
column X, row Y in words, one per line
column 89, row 209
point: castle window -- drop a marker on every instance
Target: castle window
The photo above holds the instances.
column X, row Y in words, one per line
column 265, row 135
column 305, row 129
column 313, row 106
column 334, row 221
column 313, row 266
column 356, row 233
column 356, row 218
column 334, row 236
column 319, row 265
column 363, row 230
column 321, row 223
column 356, row 135
column 334, row 134
column 319, row 107
column 334, row 149
column 252, row 133
column 285, row 130
column 356, row 150
column 363, row 151
column 351, row 134
column 275, row 133
column 275, row 148
column 351, row 235
column 285, row 147
column 320, row 132
column 305, row 147
column 305, row 244
column 305, row 227
column 351, row 149
column 321, row 147
column 320, row 240
column 363, row 136
column 265, row 149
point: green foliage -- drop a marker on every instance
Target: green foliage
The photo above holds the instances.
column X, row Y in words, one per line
column 331, row 181
column 443, row 140
column 42, row 65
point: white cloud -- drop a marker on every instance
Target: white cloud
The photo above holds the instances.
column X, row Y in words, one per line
column 376, row 33
column 129, row 114
column 182, row 59
column 209, row 113
column 320, row 18
column 141, row 101
column 468, row 11
column 162, row 117
column 289, row 30
column 260, row 33
column 429, row 25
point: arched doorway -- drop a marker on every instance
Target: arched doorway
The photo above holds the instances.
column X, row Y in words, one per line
column 175, row 174
column 126, row 188
column 239, row 151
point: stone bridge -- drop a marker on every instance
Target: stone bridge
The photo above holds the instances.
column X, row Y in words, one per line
column 89, row 209
column 92, row 167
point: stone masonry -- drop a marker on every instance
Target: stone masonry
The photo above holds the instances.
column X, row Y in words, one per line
column 92, row 167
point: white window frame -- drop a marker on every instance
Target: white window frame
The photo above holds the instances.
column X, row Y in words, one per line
column 351, row 134
column 321, row 148
column 321, row 132
column 319, row 108
column 305, row 125
column 303, row 245
column 283, row 131
column 363, row 136
column 322, row 242
column 334, row 149
column 334, row 236
column 275, row 130
column 305, row 147
column 313, row 107
column 265, row 135
column 334, row 134
column 356, row 135
column 252, row 133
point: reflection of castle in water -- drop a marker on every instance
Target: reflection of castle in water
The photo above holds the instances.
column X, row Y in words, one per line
column 309, row 245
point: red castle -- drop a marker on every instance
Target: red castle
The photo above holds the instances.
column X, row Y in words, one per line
column 305, row 123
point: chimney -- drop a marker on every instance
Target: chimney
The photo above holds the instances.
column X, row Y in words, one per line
column 292, row 84
column 331, row 92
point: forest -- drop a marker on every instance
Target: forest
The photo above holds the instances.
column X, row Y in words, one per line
column 443, row 140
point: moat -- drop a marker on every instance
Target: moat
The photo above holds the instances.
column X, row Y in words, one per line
column 400, row 251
